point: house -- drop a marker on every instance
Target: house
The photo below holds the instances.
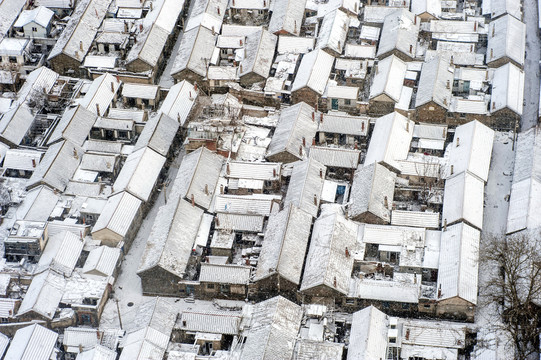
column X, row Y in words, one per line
column 287, row 17
column 194, row 55
column 169, row 248
column 119, row 220
column 10, row 11
column 368, row 336
column 74, row 126
column 43, row 297
column 506, row 42
column 57, row 166
column 399, row 35
column 16, row 125
column 426, row 9
column 372, row 194
column 259, row 53
column 294, row 134
column 390, row 141
column 435, row 89
column 254, row 204
column 140, row 173
column 506, row 100
column 101, row 94
column 35, row 23
column 496, row 8
column 113, row 129
column 333, row 32
column 79, row 339
column 198, row 176
column 341, row 129
column 38, row 204
column 15, row 55
column 207, row 13
column 98, row 352
column 305, row 185
column 61, row 253
column 523, row 201
column 180, row 101
column 463, row 200
column 102, row 261
column 329, row 262
column 342, row 98
column 294, row 45
column 312, row 76
column 336, row 159
column 75, row 41
column 247, row 177
column 21, row 162
column 26, row 240
column 60, row 7
column 159, row 134
column 353, row 71
column 247, row 8
column 141, row 95
column 386, row 88
column 224, row 281
column 458, row 272
column 281, row 259
column 272, row 330
column 33, row 342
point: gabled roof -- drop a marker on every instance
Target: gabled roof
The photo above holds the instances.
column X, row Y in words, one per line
column 390, row 141
column 158, row 134
column 436, row 82
column 400, row 31
column 313, row 71
column 33, row 342
column 496, row 8
column 225, row 274
column 333, row 32
column 259, row 53
column 286, row 239
column 330, row 257
column 506, row 38
column 432, row 7
column 273, row 330
column 102, row 260
column 9, row 10
column 507, row 89
column 15, row 124
column 149, row 46
column 118, row 214
column 389, row 78
column 43, row 295
column 463, row 199
column 287, row 16
column 101, row 93
column 459, row 263
column 195, row 51
column 305, row 185
column 39, row 15
column 61, row 253
column 179, row 101
column 368, row 336
column 75, row 125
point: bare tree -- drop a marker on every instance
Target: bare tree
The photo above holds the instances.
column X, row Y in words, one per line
column 515, row 286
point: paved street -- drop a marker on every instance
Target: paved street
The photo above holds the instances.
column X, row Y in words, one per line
column 530, row 113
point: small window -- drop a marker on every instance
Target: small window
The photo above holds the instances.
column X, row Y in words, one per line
column 392, row 340
column 462, row 115
column 426, row 306
column 13, row 59
column 34, row 29
column 405, row 306
column 347, row 101
column 210, row 286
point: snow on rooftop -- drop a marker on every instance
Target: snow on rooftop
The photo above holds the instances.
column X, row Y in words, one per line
column 400, row 31
column 389, row 79
column 39, row 15
column 287, row 16
column 463, row 200
column 333, row 31
column 32, row 342
column 436, row 82
column 314, row 71
column 305, row 185
column 368, row 336
column 507, row 89
column 506, row 38
column 179, row 101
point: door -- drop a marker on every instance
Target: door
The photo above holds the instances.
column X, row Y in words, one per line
column 334, row 104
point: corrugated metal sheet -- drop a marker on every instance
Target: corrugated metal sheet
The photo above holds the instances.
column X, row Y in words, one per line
column 246, row 204
column 336, row 157
column 240, row 222
column 344, row 124
column 224, row 274
column 430, row 220
column 214, row 322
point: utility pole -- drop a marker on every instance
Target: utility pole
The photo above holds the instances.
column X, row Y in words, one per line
column 118, row 310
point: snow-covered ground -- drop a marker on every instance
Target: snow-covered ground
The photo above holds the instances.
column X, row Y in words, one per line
column 166, row 80
column 128, row 285
column 491, row 342
column 530, row 113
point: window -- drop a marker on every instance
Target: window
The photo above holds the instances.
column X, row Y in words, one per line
column 224, row 288
column 347, row 101
column 13, row 59
column 405, row 306
column 210, row 286
column 426, row 306
column 392, row 340
column 34, row 29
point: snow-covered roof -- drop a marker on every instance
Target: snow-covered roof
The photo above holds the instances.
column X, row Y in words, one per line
column 99, row 352
column 212, row 322
column 342, row 92
column 390, row 141
column 400, row 31
column 16, row 123
column 167, row 13
column 43, row 295
column 101, row 93
column 149, row 46
column 80, row 336
column 360, row 51
column 436, row 82
column 9, row 10
column 330, row 258
column 198, row 175
column 310, row 349
column 336, row 157
column 61, row 253
column 253, row 170
column 38, row 204
column 118, row 214
column 140, row 173
column 22, row 159
column 376, row 14
column 239, row 222
column 14, row 47
column 506, row 38
column 74, row 125
column 258, row 204
column 140, row 91
column 33, row 342
column 295, row 45
column 179, row 101
column 287, row 17
column 158, row 134
column 432, row 7
column 496, row 8
column 296, row 123
column 471, row 150
column 389, row 79
column 259, row 53
column 224, row 274
column 195, row 51
column 371, row 185
column 333, row 31
column 57, row 166
column 344, row 124
column 459, row 263
column 286, row 239
column 39, row 15
column 463, row 199
column 368, row 336
column 78, row 35
column 305, row 185
column 207, row 13
column 423, row 219
column 313, row 71
column 273, row 330
column 102, row 261
column 507, row 89
column 37, row 82
column 171, row 240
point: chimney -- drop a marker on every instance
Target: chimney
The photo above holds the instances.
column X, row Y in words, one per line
column 452, row 169
column 303, row 141
column 98, row 109
column 193, row 201
column 274, row 172
column 81, row 45
column 493, row 30
column 315, row 199
column 218, row 10
column 313, row 141
column 300, row 150
column 195, row 86
column 448, row 84
column 313, row 116
column 222, row 189
column 475, row 26
column 385, row 202
column 444, row 224
column 321, row 173
column 439, row 292
column 491, row 53
column 295, row 26
column 321, row 117
column 264, row 3
column 151, row 6
column 125, row 27
column 206, row 189
column 75, row 153
column 228, row 169
column 334, row 281
column 411, row 49
column 362, row 126
column 178, row 117
column 240, row 42
column 407, row 334
column 217, row 221
column 407, row 126
column 444, row 135
column 34, row 163
column 112, row 87
column 414, row 20
column 80, row 348
column 140, row 27
column 457, row 141
column 233, row 2
column 347, row 252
